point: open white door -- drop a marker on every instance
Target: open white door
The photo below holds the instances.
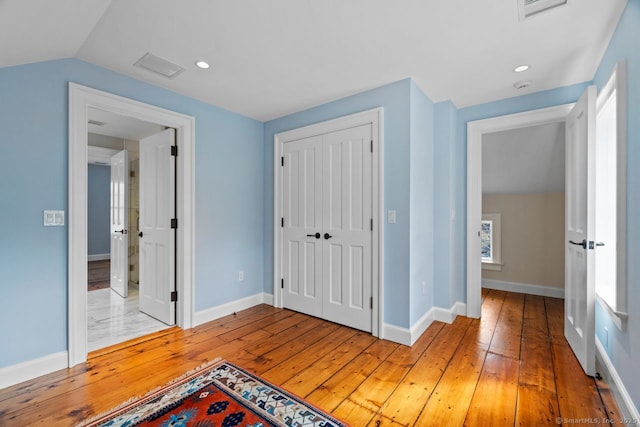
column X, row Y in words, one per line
column 120, row 223
column 579, row 323
column 157, row 237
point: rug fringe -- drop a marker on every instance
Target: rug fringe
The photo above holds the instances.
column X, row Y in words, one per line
column 187, row 374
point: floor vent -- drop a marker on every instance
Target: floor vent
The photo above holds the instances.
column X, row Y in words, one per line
column 529, row 8
column 158, row 65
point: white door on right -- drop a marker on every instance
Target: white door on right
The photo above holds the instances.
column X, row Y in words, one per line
column 579, row 323
column 157, row 237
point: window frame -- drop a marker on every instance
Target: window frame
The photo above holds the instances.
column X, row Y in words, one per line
column 616, row 86
column 495, row 262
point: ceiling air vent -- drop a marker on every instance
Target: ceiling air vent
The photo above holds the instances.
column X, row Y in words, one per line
column 529, row 8
column 158, row 65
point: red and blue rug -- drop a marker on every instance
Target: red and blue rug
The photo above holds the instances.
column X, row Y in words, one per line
column 222, row 394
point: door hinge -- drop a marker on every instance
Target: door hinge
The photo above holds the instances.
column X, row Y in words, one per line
column 174, row 296
column 174, row 222
column 371, row 303
column 371, row 224
column 174, row 150
column 282, row 222
column 282, row 161
column 132, row 174
column 372, row 145
column 281, row 283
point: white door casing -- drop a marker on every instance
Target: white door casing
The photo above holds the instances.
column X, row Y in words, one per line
column 579, row 311
column 354, row 300
column 119, row 223
column 81, row 98
column 157, row 238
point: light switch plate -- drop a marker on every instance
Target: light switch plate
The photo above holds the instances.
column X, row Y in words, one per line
column 391, row 217
column 53, row 218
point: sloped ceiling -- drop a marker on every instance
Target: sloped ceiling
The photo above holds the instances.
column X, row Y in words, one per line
column 526, row 160
column 271, row 58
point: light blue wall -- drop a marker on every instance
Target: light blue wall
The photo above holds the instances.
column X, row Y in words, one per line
column 229, row 173
column 98, row 207
column 421, row 163
column 623, row 347
column 395, row 99
column 445, row 114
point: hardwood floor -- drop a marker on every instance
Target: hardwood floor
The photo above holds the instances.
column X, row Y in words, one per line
column 512, row 367
column 98, row 273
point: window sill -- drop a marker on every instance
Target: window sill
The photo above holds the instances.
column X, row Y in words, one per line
column 619, row 318
column 495, row 266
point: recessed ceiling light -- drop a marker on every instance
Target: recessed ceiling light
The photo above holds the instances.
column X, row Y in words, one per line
column 521, row 68
column 202, row 64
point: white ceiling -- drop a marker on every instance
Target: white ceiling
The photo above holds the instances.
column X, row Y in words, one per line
column 526, row 160
column 118, row 126
column 272, row 58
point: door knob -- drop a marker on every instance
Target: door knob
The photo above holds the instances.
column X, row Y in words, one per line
column 140, row 234
column 123, row 231
column 317, row 235
column 327, row 236
column 583, row 243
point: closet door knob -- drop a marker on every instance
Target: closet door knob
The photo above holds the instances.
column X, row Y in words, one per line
column 327, row 236
column 317, row 235
column 140, row 234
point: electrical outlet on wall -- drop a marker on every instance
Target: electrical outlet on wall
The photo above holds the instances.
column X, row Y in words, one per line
column 241, row 276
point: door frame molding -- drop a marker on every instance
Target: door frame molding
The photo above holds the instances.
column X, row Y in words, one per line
column 475, row 130
column 81, row 98
column 373, row 117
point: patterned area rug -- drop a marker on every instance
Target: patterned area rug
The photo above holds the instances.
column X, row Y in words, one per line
column 221, row 394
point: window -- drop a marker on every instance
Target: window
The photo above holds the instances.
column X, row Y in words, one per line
column 610, row 215
column 490, row 242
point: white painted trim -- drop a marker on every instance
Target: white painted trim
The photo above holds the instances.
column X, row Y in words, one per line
column 622, row 396
column 523, row 288
column 410, row 336
column 98, row 257
column 226, row 309
column 81, row 98
column 376, row 119
column 396, row 334
column 475, row 130
column 15, row 374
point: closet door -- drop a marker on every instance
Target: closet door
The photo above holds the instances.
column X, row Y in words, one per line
column 302, row 222
column 346, row 230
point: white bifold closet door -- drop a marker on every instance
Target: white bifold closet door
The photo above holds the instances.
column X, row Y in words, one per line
column 327, row 236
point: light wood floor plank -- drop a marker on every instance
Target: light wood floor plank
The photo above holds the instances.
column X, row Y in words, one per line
column 468, row 370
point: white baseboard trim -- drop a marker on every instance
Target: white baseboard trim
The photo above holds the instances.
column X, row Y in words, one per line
column 623, row 399
column 410, row 336
column 15, row 374
column 222, row 310
column 523, row 288
column 98, row 257
column 396, row 334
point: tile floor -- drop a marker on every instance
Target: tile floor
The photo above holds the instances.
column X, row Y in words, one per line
column 113, row 319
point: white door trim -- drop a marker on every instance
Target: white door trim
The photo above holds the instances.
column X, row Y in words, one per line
column 80, row 99
column 375, row 118
column 475, row 130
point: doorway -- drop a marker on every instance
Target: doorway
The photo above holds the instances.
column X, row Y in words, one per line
column 81, row 99
column 475, row 132
column 114, row 312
